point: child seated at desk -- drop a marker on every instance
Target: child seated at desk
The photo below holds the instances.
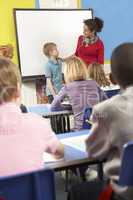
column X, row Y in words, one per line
column 112, row 129
column 23, row 136
column 96, row 72
column 80, row 91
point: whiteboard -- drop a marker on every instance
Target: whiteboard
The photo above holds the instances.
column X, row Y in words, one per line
column 36, row 27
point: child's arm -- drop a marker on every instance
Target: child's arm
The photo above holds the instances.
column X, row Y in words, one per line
column 48, row 74
column 51, row 87
column 102, row 94
column 53, row 145
column 98, row 142
column 59, row 152
column 56, row 104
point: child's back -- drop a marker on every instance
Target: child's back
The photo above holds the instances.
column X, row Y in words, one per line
column 23, row 136
column 81, row 94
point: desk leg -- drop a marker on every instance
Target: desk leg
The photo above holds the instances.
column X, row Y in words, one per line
column 56, row 121
column 66, row 180
column 64, row 123
column 100, row 171
column 53, row 121
column 68, row 123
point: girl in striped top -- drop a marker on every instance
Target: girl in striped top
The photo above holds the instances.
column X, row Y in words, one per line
column 80, row 91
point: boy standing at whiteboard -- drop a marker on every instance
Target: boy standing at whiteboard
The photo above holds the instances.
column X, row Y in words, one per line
column 53, row 70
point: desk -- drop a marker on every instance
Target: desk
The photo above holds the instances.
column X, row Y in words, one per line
column 60, row 119
column 111, row 90
column 74, row 158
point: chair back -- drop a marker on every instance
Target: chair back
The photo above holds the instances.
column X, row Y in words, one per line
column 126, row 172
column 86, row 117
column 37, row 185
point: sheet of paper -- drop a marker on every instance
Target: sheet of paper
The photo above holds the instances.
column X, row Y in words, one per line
column 48, row 158
column 77, row 142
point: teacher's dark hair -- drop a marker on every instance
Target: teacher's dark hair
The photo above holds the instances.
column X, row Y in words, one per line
column 95, row 24
column 122, row 64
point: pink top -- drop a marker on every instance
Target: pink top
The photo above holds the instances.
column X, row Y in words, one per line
column 23, row 139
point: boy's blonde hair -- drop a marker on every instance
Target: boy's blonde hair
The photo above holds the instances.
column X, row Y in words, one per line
column 9, row 80
column 74, row 70
column 96, row 72
column 47, row 48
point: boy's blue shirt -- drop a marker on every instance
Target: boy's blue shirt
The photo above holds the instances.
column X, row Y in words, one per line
column 53, row 70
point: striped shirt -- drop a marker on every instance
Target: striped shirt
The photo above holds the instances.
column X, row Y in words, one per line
column 81, row 94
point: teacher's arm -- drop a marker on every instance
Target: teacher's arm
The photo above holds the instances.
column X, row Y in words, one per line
column 101, row 53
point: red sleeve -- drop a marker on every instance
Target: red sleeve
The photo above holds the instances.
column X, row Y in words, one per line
column 78, row 45
column 100, row 52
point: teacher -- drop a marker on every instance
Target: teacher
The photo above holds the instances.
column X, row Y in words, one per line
column 90, row 47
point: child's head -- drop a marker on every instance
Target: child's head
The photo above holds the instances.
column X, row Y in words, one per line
column 96, row 72
column 75, row 70
column 50, row 50
column 10, row 81
column 6, row 51
column 122, row 64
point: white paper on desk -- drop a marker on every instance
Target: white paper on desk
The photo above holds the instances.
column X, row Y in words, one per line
column 77, row 142
column 48, row 158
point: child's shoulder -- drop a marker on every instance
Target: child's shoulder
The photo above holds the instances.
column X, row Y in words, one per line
column 92, row 82
column 48, row 65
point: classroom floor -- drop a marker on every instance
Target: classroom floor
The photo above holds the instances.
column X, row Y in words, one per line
column 60, row 188
column 60, row 184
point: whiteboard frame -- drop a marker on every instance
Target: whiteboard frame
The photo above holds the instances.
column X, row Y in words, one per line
column 15, row 10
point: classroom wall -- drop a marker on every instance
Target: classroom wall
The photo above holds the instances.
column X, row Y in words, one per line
column 7, row 30
column 7, row 35
column 117, row 16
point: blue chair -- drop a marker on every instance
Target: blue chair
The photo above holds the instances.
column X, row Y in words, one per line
column 126, row 172
column 38, row 185
column 86, row 117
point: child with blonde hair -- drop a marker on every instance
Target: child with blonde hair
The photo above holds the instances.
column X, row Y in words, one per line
column 53, row 70
column 96, row 72
column 80, row 91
